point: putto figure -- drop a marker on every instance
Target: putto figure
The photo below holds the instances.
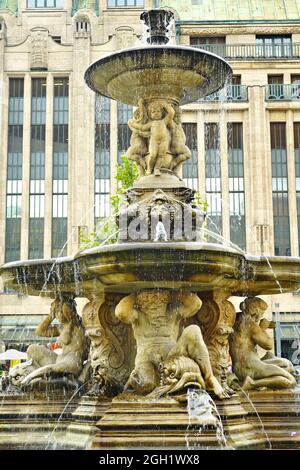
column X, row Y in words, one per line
column 250, row 331
column 158, row 131
column 71, row 337
column 139, row 139
column 179, row 150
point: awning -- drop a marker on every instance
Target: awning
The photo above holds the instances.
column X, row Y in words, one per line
column 20, row 329
column 289, row 331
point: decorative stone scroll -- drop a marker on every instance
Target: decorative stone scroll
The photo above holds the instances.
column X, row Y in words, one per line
column 216, row 319
column 107, row 354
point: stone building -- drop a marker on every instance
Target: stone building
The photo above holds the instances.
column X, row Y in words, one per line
column 59, row 145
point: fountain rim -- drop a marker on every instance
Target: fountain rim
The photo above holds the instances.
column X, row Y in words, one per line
column 116, row 54
column 148, row 246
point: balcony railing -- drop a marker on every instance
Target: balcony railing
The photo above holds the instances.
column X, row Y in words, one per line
column 229, row 93
column 253, row 51
column 278, row 92
column 89, row 4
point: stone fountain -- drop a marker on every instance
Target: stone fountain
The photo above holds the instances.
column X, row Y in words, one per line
column 158, row 323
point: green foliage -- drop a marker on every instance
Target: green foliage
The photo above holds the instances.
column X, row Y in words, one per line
column 200, row 202
column 107, row 230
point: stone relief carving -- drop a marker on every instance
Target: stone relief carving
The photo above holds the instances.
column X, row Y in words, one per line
column 39, row 48
column 250, row 331
column 46, row 363
column 155, row 316
column 216, row 319
column 107, row 354
column 125, row 37
column 257, row 29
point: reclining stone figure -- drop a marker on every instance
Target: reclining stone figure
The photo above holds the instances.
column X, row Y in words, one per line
column 249, row 332
column 46, row 363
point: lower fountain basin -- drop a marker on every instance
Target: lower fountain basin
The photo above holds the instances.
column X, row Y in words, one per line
column 124, row 268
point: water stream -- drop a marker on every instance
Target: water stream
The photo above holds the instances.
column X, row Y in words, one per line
column 203, row 414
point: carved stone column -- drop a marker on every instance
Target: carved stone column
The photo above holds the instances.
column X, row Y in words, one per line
column 216, row 319
column 109, row 338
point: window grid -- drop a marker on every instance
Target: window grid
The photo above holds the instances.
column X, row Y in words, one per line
column 125, row 3
column 14, row 169
column 281, row 218
column 102, row 158
column 45, row 3
column 213, row 177
column 124, row 113
column 60, row 167
column 274, row 46
column 190, row 166
column 236, row 184
column 37, row 169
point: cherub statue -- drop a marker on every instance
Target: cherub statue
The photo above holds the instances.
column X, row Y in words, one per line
column 180, row 151
column 155, row 316
column 249, row 332
column 138, row 141
column 158, row 130
column 72, row 338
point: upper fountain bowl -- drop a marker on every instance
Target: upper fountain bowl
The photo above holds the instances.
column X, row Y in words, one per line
column 178, row 73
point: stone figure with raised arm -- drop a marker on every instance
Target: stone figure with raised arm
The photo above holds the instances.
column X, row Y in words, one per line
column 155, row 316
column 158, row 129
column 71, row 337
column 250, row 331
column 139, row 139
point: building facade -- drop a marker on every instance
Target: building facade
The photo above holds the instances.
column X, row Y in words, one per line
column 60, row 144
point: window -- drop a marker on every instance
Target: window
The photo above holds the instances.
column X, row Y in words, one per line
column 14, row 169
column 213, row 177
column 280, row 189
column 45, row 4
column 125, row 3
column 274, row 46
column 236, row 184
column 57, row 39
column 275, row 87
column 82, row 25
column 102, row 158
column 37, row 169
column 190, row 167
column 236, row 80
column 60, row 167
column 216, row 44
column 295, row 87
column 125, row 113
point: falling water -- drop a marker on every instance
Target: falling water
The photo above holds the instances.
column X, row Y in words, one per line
column 203, row 412
column 257, row 414
column 52, row 442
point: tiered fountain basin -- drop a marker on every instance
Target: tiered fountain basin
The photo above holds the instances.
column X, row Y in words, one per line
column 179, row 73
column 128, row 267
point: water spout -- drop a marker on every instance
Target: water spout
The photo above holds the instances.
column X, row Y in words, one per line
column 160, row 233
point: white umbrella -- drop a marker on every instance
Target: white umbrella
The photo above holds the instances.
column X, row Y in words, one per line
column 12, row 354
